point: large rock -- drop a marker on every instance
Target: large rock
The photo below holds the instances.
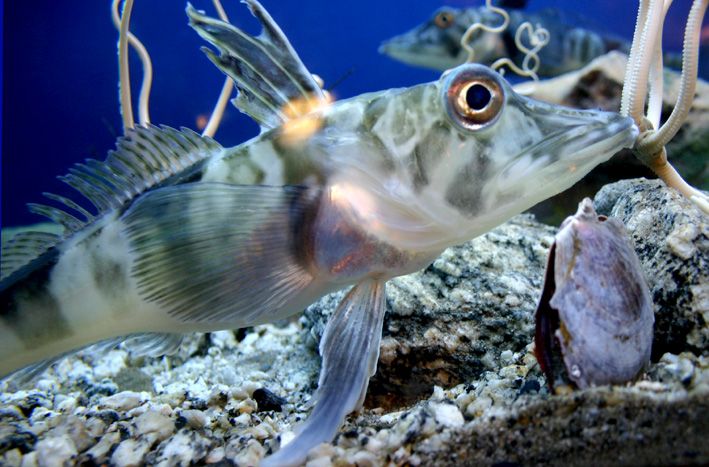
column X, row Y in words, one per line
column 671, row 238
column 449, row 323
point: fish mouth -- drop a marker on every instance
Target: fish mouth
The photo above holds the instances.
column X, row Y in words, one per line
column 573, row 141
column 407, row 48
column 563, row 146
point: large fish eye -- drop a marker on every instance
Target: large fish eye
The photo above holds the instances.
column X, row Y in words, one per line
column 444, row 19
column 473, row 96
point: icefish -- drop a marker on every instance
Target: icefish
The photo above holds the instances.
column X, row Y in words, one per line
column 436, row 43
column 190, row 236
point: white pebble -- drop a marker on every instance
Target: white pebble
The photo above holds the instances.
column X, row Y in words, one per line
column 123, row 401
column 130, row 452
column 447, row 414
column 55, row 452
column 154, row 422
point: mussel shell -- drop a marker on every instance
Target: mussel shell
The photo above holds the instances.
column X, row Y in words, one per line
column 595, row 309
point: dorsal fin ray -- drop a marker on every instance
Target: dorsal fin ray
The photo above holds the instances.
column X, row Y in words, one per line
column 23, row 248
column 145, row 158
column 274, row 85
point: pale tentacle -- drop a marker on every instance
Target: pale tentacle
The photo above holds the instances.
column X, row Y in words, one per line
column 637, row 73
column 144, row 97
column 124, row 74
column 654, row 107
column 645, row 67
column 538, row 39
column 652, row 143
column 218, row 113
column 475, row 26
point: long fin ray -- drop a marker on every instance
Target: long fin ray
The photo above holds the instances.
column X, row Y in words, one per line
column 350, row 351
column 215, row 253
column 23, row 248
column 266, row 69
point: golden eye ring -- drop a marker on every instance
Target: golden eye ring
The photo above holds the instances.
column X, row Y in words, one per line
column 474, row 96
column 444, row 19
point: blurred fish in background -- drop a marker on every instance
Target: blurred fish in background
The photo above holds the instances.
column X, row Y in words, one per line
column 436, row 43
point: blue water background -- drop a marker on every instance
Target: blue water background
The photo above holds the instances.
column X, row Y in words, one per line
column 60, row 94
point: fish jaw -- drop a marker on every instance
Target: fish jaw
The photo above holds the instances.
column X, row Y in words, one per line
column 553, row 147
column 410, row 48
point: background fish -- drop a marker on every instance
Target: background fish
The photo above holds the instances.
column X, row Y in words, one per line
column 189, row 236
column 436, row 43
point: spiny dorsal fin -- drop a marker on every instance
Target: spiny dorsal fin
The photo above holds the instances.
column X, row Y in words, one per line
column 145, row 158
column 274, row 85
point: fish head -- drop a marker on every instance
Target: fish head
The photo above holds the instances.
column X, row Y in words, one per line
column 435, row 43
column 514, row 151
column 472, row 153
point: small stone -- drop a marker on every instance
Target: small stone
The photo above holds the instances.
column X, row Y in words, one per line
column 29, row 459
column 99, row 450
column 122, row 401
column 248, row 406
column 55, row 452
column 130, row 453
column 47, row 385
column 154, row 422
column 223, row 339
column 11, row 458
column 447, row 414
column 251, row 455
column 215, row 455
column 219, row 395
column 194, row 418
column 478, row 406
column 268, row 401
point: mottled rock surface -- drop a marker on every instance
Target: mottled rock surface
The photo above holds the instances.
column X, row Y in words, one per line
column 671, row 238
column 450, row 322
column 457, row 383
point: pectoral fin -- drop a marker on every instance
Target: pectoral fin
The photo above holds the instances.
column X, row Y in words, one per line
column 223, row 255
column 350, row 350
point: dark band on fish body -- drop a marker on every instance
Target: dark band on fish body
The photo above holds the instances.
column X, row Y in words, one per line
column 110, row 277
column 427, row 154
column 305, row 204
column 30, row 285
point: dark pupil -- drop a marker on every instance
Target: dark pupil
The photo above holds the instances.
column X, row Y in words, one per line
column 477, row 97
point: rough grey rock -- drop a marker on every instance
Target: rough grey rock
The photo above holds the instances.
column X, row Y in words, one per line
column 449, row 323
column 671, row 238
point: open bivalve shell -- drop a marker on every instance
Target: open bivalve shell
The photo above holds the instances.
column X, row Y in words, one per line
column 595, row 317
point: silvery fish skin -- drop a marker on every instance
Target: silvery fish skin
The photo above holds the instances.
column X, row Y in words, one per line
column 436, row 43
column 595, row 313
column 190, row 236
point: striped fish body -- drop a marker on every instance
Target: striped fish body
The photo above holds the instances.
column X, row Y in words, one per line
column 436, row 43
column 190, row 236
